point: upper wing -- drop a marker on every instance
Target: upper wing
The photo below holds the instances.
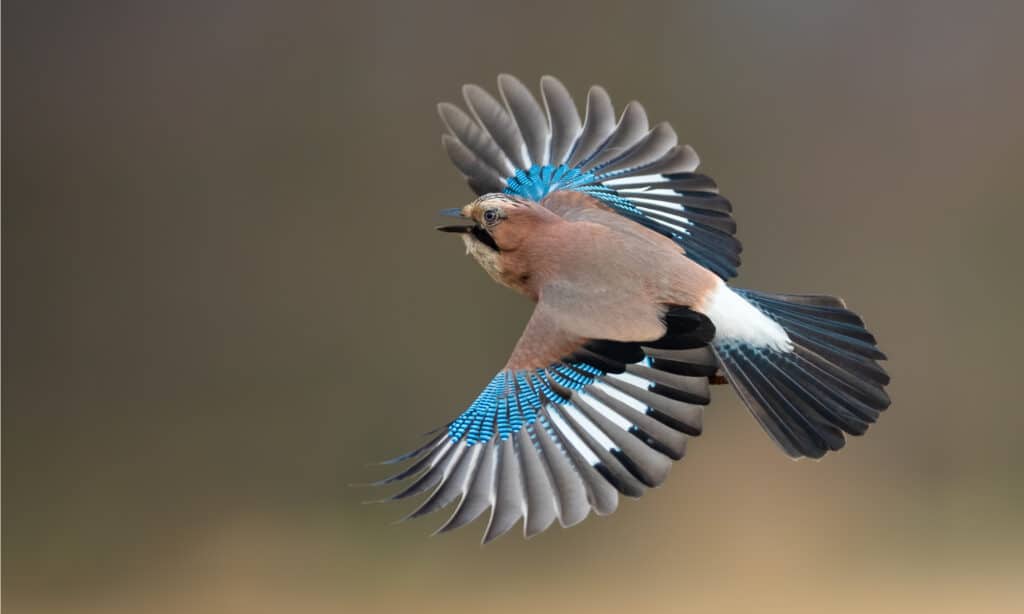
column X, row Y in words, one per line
column 637, row 171
column 566, row 426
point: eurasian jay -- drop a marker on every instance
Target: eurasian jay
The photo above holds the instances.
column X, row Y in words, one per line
column 626, row 251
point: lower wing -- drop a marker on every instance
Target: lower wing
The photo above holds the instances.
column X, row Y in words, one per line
column 556, row 442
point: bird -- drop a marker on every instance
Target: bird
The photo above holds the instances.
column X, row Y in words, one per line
column 626, row 251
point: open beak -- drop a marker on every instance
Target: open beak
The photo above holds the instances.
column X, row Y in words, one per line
column 455, row 212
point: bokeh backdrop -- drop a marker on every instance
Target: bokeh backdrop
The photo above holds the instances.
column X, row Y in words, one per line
column 223, row 297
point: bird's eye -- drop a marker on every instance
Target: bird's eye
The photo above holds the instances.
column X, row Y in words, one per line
column 491, row 217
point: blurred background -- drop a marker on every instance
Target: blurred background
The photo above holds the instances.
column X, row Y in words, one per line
column 223, row 297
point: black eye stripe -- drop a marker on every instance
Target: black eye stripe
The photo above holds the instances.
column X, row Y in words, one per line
column 484, row 237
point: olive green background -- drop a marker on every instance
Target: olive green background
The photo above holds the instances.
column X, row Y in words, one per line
column 223, row 297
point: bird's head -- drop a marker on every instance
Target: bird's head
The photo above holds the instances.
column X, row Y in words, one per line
column 498, row 227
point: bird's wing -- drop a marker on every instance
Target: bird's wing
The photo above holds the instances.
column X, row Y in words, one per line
column 642, row 173
column 567, row 426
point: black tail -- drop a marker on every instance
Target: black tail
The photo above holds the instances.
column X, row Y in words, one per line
column 828, row 384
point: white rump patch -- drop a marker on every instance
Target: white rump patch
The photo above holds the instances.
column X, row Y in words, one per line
column 737, row 320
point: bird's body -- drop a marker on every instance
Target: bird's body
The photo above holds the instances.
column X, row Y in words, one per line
column 568, row 259
column 626, row 252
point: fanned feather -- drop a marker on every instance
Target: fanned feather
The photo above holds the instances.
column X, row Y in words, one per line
column 598, row 124
column 540, row 509
column 474, row 138
column 651, row 148
column 563, row 118
column 476, row 495
column 651, row 466
column 632, row 127
column 507, row 493
column 827, row 384
column 450, row 486
column 498, row 123
column 570, row 489
column 529, row 117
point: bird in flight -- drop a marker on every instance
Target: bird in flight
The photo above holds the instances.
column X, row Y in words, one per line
column 626, row 250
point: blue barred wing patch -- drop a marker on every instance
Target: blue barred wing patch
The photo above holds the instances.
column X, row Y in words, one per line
column 562, row 441
column 515, row 399
column 539, row 181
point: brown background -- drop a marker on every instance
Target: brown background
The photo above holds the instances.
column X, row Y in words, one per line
column 223, row 297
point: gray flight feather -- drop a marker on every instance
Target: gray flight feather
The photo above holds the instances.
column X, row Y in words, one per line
column 476, row 139
column 679, row 159
column 493, row 116
column 698, row 201
column 418, row 466
column 570, row 491
column 483, row 177
column 694, row 182
column 598, row 124
column 620, row 476
column 533, row 126
column 673, row 442
column 540, row 499
column 696, row 356
column 451, row 484
column 432, row 476
column 602, row 496
column 651, row 148
column 696, row 386
column 563, row 118
column 652, row 466
column 507, row 493
column 716, row 222
column 632, row 127
column 476, row 495
column 684, row 417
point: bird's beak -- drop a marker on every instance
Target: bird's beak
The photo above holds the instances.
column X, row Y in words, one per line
column 454, row 212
